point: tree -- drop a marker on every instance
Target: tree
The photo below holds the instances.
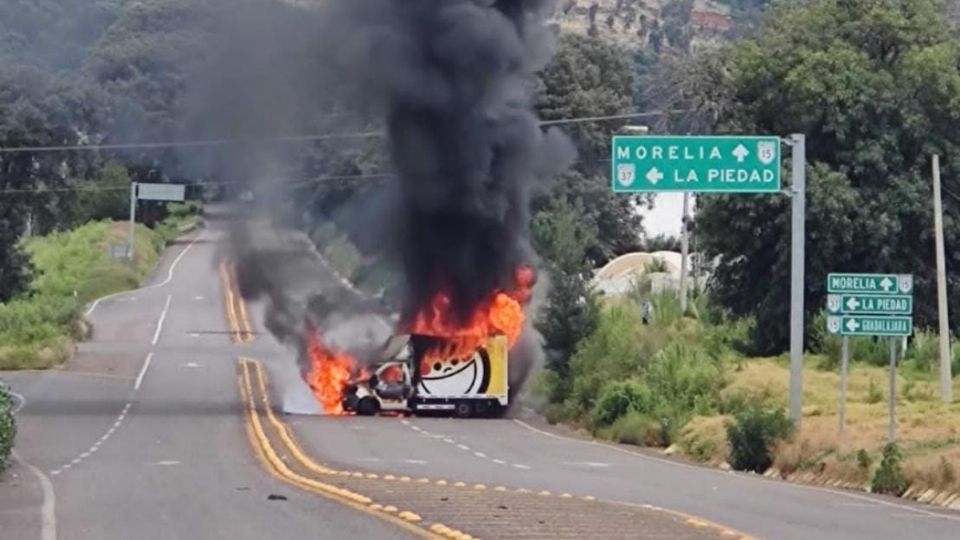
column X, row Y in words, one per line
column 875, row 86
column 572, row 311
column 588, row 78
column 39, row 109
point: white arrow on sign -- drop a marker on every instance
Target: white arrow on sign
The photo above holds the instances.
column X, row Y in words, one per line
column 852, row 325
column 886, row 284
column 654, row 176
column 853, row 303
column 741, row 153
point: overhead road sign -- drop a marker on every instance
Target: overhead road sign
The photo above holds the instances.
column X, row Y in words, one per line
column 870, row 283
column 722, row 164
column 851, row 325
column 877, row 304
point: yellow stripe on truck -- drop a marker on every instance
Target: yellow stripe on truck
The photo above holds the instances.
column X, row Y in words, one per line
column 497, row 349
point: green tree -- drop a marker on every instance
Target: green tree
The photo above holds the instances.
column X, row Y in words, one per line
column 875, row 86
column 590, row 77
column 572, row 311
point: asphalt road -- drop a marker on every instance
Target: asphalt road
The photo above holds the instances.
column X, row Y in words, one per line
column 142, row 435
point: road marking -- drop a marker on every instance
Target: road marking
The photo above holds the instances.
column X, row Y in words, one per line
column 167, row 463
column 521, row 466
column 500, row 462
column 198, row 298
column 22, row 401
column 136, row 385
column 463, row 447
column 163, row 316
column 279, row 469
column 173, row 267
column 48, row 514
column 191, row 365
column 415, row 461
column 596, row 464
column 480, row 455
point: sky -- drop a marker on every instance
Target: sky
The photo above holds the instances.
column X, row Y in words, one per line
column 665, row 216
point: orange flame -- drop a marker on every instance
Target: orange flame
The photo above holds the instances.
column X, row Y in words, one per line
column 330, row 373
column 501, row 314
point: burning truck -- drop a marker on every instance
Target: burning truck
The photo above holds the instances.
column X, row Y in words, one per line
column 438, row 366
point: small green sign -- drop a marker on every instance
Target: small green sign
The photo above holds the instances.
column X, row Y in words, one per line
column 879, row 304
column 849, row 325
column 870, row 283
column 732, row 164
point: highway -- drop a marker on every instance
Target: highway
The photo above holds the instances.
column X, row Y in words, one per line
column 169, row 423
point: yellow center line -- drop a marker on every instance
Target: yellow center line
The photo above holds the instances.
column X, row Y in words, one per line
column 244, row 319
column 276, row 466
column 229, row 303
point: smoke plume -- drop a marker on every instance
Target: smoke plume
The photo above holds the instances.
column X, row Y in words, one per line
column 453, row 84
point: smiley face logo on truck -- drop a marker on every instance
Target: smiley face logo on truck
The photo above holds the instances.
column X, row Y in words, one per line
column 456, row 376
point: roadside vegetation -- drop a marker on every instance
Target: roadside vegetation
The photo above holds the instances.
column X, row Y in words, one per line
column 40, row 326
column 693, row 386
column 8, row 427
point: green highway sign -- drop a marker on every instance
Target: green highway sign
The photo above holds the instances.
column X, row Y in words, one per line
column 730, row 164
column 870, row 304
column 870, row 283
column 849, row 325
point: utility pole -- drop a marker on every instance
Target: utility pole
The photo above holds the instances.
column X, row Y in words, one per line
column 684, row 253
column 798, row 143
column 946, row 378
column 133, row 219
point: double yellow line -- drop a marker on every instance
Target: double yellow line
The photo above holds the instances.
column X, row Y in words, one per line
column 239, row 321
column 261, row 441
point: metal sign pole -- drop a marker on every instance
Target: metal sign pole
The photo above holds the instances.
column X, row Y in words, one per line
column 797, row 233
column 844, row 366
column 133, row 218
column 892, row 434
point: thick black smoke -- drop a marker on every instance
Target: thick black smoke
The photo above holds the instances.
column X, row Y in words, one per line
column 452, row 83
column 455, row 81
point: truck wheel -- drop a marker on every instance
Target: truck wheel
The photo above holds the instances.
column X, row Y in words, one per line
column 464, row 409
column 368, row 406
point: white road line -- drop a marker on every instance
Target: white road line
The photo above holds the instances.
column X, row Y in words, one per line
column 480, row 455
column 173, row 267
column 463, row 447
column 48, row 514
column 521, row 466
column 136, row 385
column 163, row 316
column 782, row 483
column 22, row 401
column 449, row 441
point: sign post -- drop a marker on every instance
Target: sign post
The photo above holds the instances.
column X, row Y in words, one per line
column 151, row 192
column 870, row 305
column 797, row 258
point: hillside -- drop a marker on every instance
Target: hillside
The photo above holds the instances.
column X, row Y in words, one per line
column 642, row 23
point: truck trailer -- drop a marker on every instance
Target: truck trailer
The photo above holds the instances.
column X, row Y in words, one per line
column 418, row 378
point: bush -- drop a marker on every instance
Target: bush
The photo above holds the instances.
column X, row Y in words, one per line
column 635, row 428
column 889, row 477
column 8, row 426
column 925, row 350
column 873, row 351
column 753, row 434
column 619, row 399
column 874, row 394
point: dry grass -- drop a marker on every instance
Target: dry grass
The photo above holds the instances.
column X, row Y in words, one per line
column 928, row 431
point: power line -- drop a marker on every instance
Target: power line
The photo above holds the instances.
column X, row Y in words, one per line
column 288, row 138
column 298, row 183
